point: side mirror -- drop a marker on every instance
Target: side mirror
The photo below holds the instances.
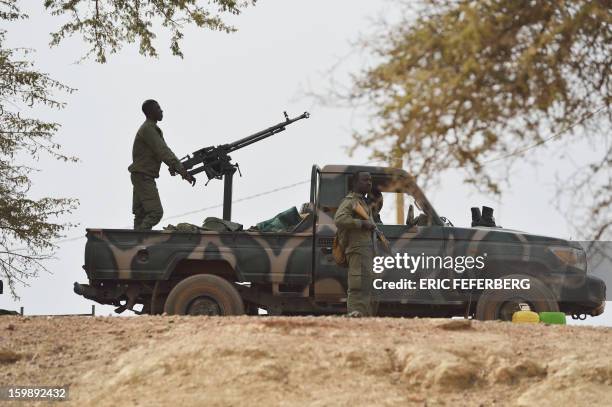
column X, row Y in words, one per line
column 410, row 216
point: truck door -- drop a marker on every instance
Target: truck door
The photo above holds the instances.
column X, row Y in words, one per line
column 417, row 246
column 329, row 280
column 423, row 237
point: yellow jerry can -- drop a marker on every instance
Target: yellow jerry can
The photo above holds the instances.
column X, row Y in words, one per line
column 525, row 317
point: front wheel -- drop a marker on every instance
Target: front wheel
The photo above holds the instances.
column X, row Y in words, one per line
column 502, row 304
column 204, row 294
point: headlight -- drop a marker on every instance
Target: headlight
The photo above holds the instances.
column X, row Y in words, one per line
column 570, row 256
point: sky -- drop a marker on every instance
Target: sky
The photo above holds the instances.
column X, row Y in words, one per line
column 227, row 87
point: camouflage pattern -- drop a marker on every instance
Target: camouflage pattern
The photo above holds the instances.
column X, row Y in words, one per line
column 294, row 272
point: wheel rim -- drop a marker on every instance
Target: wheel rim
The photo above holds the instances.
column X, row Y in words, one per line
column 204, row 305
column 508, row 308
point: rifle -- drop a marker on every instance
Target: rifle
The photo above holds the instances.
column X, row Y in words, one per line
column 217, row 164
column 377, row 234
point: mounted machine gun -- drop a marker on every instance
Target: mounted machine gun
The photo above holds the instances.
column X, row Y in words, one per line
column 217, row 164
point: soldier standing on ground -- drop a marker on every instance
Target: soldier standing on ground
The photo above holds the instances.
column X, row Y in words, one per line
column 148, row 152
column 355, row 235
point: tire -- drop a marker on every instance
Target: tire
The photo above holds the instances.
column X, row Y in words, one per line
column 204, row 294
column 498, row 304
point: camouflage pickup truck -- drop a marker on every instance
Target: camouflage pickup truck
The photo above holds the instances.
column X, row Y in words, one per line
column 293, row 273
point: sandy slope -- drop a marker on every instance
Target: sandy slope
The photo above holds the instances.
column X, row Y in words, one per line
column 329, row 361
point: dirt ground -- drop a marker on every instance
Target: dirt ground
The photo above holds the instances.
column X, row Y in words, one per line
column 315, row 361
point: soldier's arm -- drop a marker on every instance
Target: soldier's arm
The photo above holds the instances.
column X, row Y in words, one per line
column 344, row 216
column 161, row 149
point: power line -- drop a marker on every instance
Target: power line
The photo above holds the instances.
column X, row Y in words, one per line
column 246, row 198
column 539, row 143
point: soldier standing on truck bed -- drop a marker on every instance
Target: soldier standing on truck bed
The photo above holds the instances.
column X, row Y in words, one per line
column 148, row 152
column 355, row 235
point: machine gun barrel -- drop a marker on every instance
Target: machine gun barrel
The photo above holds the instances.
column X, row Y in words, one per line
column 215, row 160
column 270, row 131
column 217, row 164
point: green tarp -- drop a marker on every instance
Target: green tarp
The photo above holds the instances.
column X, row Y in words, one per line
column 283, row 222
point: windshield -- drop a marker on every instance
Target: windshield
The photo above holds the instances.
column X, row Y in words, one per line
column 400, row 200
column 389, row 213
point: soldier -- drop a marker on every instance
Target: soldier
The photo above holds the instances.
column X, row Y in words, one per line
column 148, row 152
column 355, row 235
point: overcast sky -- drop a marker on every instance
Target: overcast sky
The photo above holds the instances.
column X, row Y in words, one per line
column 227, row 87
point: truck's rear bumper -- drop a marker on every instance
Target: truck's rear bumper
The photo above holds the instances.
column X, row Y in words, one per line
column 109, row 295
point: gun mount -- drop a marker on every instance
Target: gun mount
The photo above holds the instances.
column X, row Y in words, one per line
column 217, row 164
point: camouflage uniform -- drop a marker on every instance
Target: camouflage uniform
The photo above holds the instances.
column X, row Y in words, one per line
column 148, row 152
column 359, row 248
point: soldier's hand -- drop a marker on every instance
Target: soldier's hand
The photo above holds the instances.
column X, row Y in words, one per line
column 368, row 225
column 188, row 177
column 172, row 171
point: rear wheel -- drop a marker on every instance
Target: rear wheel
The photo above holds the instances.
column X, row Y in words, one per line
column 502, row 304
column 204, row 294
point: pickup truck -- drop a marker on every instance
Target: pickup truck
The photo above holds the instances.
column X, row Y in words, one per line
column 294, row 273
